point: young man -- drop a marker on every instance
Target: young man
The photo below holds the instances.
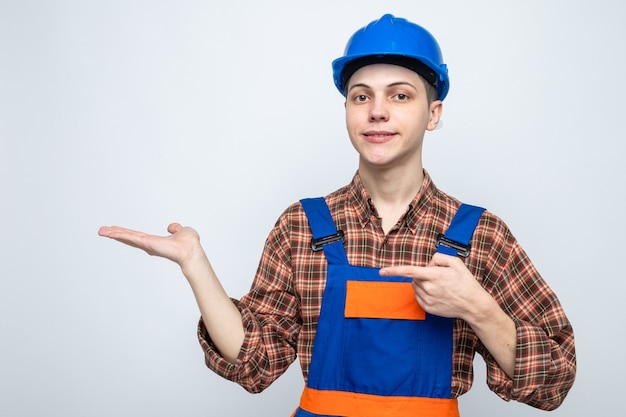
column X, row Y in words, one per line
column 387, row 287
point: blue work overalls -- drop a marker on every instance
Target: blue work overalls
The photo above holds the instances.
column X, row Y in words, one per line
column 377, row 353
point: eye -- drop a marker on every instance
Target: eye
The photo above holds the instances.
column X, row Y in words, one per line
column 401, row 97
column 360, row 98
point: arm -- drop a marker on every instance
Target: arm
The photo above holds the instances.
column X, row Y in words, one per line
column 545, row 364
column 221, row 317
column 251, row 341
column 530, row 353
column 271, row 316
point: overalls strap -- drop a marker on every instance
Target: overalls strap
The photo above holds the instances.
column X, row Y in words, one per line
column 325, row 234
column 455, row 241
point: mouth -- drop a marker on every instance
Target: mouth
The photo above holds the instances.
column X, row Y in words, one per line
column 378, row 136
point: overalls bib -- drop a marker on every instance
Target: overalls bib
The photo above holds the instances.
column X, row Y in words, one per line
column 377, row 353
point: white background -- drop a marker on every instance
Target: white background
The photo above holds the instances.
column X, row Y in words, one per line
column 220, row 114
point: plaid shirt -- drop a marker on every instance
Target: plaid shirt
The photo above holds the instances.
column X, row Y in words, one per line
column 280, row 312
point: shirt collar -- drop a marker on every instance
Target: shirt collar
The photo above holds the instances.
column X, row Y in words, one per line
column 362, row 202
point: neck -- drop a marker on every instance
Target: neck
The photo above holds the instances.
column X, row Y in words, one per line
column 393, row 185
column 391, row 190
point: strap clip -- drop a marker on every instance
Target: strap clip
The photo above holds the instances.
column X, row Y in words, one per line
column 318, row 244
column 461, row 249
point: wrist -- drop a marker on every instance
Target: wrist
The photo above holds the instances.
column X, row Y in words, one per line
column 482, row 309
column 194, row 262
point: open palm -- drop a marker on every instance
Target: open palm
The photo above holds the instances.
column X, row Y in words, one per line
column 177, row 247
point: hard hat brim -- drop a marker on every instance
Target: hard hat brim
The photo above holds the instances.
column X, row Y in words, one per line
column 345, row 66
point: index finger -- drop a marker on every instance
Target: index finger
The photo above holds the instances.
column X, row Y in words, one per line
column 115, row 231
column 408, row 271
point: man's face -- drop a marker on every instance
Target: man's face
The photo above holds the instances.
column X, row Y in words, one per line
column 387, row 113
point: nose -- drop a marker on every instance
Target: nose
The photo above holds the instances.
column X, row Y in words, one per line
column 378, row 111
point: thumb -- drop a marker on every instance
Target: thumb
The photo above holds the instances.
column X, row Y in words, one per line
column 440, row 259
column 174, row 227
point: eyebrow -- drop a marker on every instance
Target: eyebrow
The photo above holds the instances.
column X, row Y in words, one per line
column 395, row 84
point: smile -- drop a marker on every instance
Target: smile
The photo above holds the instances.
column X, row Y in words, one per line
column 378, row 137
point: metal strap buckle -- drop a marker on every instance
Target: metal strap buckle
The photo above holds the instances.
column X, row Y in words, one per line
column 318, row 244
column 461, row 249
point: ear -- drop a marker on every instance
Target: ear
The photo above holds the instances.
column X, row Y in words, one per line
column 435, row 111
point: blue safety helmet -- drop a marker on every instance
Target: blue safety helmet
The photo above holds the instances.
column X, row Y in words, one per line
column 392, row 40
